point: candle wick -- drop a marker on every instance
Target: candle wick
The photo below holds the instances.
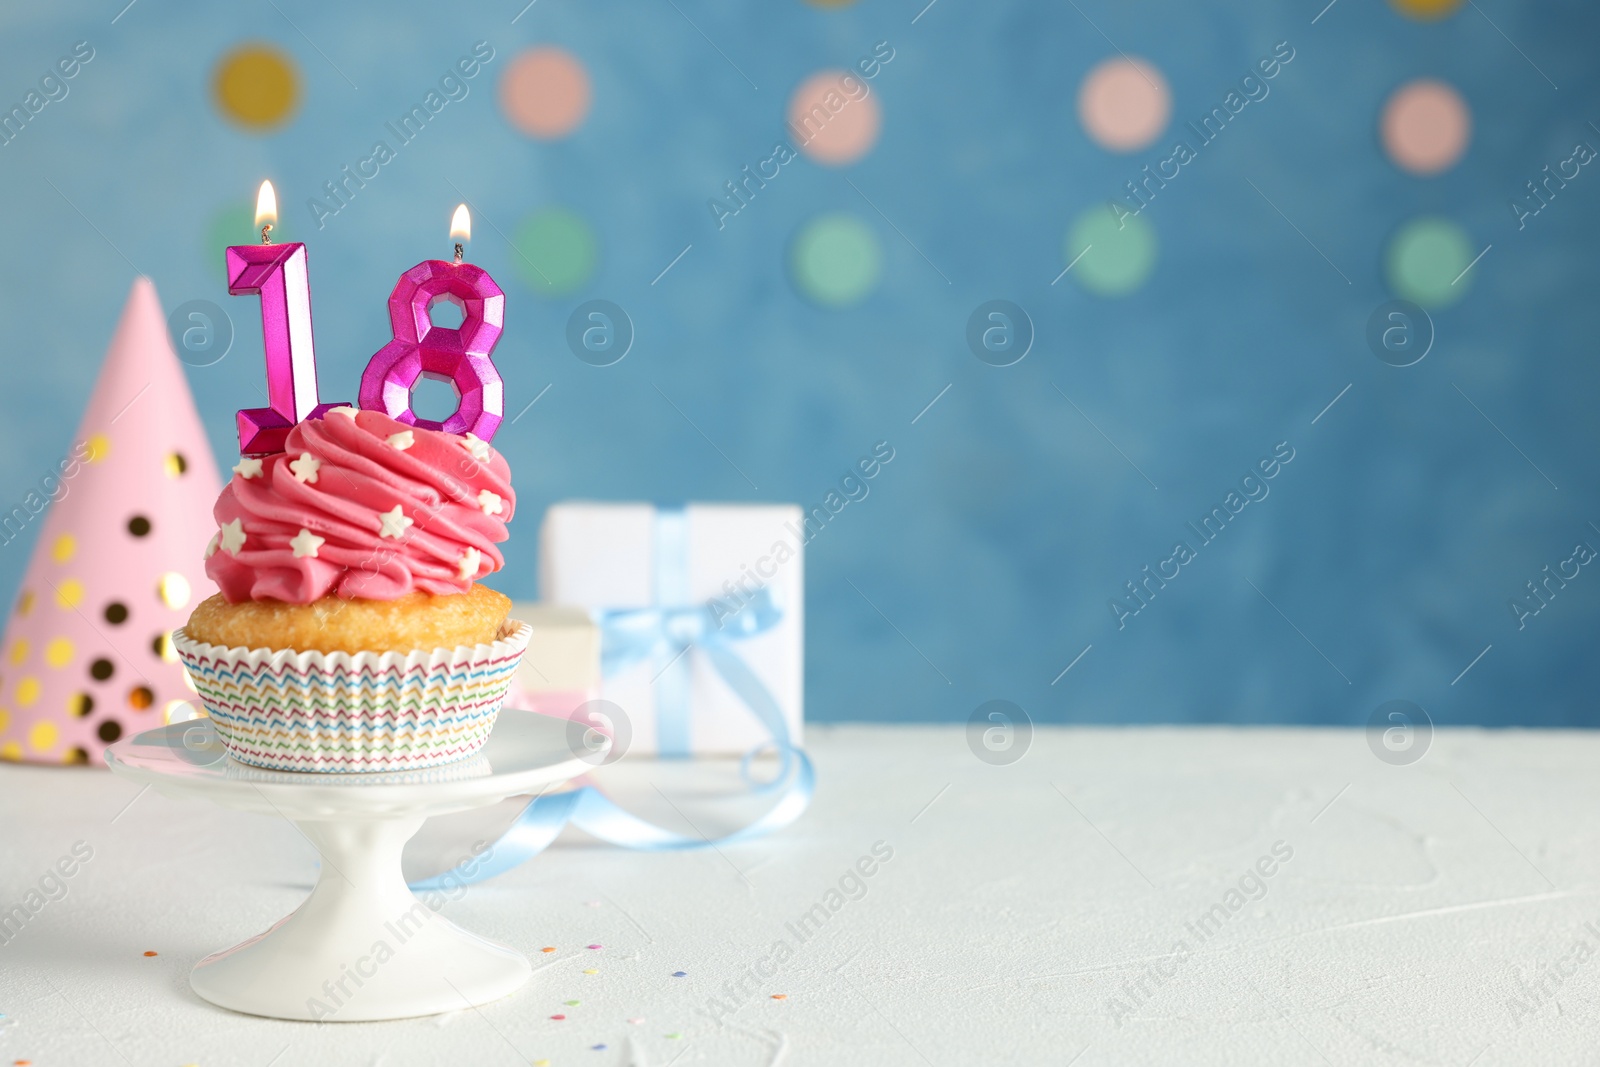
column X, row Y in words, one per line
column 458, row 251
column 266, row 234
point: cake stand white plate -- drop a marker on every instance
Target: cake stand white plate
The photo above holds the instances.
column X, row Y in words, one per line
column 361, row 947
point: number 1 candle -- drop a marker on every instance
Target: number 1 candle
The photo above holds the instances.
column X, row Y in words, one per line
column 278, row 275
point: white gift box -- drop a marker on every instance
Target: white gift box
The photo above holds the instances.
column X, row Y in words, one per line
column 742, row 562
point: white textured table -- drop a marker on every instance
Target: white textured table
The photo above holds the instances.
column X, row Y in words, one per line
column 1074, row 904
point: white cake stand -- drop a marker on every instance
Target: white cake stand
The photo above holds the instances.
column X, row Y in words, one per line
column 361, row 947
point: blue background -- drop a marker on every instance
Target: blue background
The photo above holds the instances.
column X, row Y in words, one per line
column 994, row 540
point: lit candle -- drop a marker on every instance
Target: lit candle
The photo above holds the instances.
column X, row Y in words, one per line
column 459, row 355
column 277, row 274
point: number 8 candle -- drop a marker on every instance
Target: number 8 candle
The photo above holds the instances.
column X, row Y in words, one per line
column 460, row 356
column 278, row 275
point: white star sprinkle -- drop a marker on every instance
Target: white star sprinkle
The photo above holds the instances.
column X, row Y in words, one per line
column 478, row 447
column 402, row 440
column 490, row 502
column 305, row 468
column 395, row 523
column 248, row 467
column 344, row 409
column 306, row 543
column 211, row 546
column 231, row 537
column 469, row 564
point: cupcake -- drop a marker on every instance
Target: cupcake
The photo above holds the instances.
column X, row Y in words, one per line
column 350, row 633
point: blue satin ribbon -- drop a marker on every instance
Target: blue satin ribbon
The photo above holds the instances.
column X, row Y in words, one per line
column 665, row 634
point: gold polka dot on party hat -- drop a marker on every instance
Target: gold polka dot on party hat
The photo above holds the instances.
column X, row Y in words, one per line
column 5, row 720
column 173, row 588
column 256, row 86
column 20, row 649
column 64, row 548
column 58, row 653
column 27, row 691
column 43, row 736
column 25, row 603
column 99, row 447
column 11, row 751
column 176, row 466
column 1426, row 10
column 69, row 594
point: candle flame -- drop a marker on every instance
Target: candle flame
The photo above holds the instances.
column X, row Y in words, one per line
column 461, row 224
column 266, row 206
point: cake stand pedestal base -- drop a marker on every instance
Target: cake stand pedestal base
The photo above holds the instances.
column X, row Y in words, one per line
column 361, row 947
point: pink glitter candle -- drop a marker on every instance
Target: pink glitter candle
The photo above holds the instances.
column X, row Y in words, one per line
column 278, row 275
column 459, row 355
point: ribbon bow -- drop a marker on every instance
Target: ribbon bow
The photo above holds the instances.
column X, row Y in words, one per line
column 664, row 634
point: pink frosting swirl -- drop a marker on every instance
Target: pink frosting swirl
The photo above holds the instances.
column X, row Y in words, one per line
column 360, row 505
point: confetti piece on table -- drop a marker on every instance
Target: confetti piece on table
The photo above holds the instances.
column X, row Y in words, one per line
column 635, row 1022
column 597, row 1048
column 591, row 970
column 541, row 1063
column 680, row 974
column 149, row 953
column 591, row 946
column 673, row 1037
column 572, row 1003
column 780, row 996
column 550, row 948
column 558, row 1018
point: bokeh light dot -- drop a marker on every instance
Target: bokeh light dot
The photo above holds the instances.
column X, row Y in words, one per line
column 1425, row 261
column 834, row 117
column 20, row 649
column 1425, row 127
column 98, row 447
column 256, row 86
column 27, row 691
column 545, row 93
column 1124, row 104
column 1426, row 10
column 835, row 260
column 556, row 251
column 64, row 547
column 11, row 751
column 1113, row 257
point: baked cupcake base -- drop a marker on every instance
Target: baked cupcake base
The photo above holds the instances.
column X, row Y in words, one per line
column 334, row 624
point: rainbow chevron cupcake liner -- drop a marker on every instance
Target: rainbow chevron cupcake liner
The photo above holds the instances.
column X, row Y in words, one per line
column 345, row 712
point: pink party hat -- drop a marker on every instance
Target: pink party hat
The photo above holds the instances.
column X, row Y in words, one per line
column 87, row 655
